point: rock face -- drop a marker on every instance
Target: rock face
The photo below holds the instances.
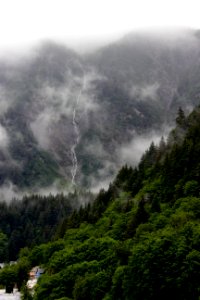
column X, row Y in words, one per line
column 62, row 113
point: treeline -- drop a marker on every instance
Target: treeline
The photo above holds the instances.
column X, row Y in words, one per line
column 140, row 239
column 33, row 220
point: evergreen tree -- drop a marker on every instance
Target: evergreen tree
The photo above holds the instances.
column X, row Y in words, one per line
column 181, row 119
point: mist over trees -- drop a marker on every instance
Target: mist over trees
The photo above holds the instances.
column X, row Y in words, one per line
column 132, row 91
column 34, row 220
column 139, row 239
column 104, row 116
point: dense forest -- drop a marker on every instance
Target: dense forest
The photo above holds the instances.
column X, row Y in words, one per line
column 140, row 239
column 33, row 220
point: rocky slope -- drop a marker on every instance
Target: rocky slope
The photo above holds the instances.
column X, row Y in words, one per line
column 62, row 113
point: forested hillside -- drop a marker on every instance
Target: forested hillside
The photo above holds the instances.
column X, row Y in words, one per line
column 140, row 239
column 33, row 220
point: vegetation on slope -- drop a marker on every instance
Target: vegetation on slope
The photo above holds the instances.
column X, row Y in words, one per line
column 138, row 240
column 33, row 220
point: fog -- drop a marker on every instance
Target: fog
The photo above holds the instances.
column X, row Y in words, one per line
column 143, row 93
column 8, row 191
column 53, row 122
column 132, row 152
column 4, row 139
column 39, row 109
column 129, row 154
column 25, row 22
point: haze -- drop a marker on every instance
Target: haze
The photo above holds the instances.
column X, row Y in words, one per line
column 81, row 23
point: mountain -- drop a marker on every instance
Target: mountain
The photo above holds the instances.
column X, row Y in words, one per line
column 139, row 239
column 66, row 118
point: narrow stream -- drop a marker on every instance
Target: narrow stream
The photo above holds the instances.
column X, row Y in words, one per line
column 77, row 134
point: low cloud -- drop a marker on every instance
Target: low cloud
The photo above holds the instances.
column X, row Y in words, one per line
column 98, row 184
column 9, row 191
column 145, row 92
column 95, row 149
column 5, row 100
column 4, row 139
column 104, row 176
column 132, row 152
column 41, row 128
column 58, row 102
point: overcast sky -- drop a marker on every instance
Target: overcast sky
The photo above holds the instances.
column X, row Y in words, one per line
column 23, row 22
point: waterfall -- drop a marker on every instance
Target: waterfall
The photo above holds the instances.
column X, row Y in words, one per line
column 77, row 133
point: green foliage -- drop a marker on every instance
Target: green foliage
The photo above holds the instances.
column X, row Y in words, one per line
column 3, row 247
column 31, row 221
column 92, row 286
column 26, row 294
column 15, row 273
column 22, row 269
column 138, row 240
column 181, row 119
column 191, row 188
column 8, row 276
column 117, row 283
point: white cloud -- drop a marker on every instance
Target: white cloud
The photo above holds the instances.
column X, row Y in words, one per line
column 4, row 139
column 132, row 152
column 41, row 128
column 145, row 91
column 56, row 102
column 24, row 22
column 9, row 191
column 98, row 184
column 6, row 99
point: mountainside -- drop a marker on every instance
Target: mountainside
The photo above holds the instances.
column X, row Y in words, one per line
column 67, row 119
column 140, row 239
column 34, row 220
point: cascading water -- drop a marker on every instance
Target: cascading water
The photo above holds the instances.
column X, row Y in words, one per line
column 77, row 133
